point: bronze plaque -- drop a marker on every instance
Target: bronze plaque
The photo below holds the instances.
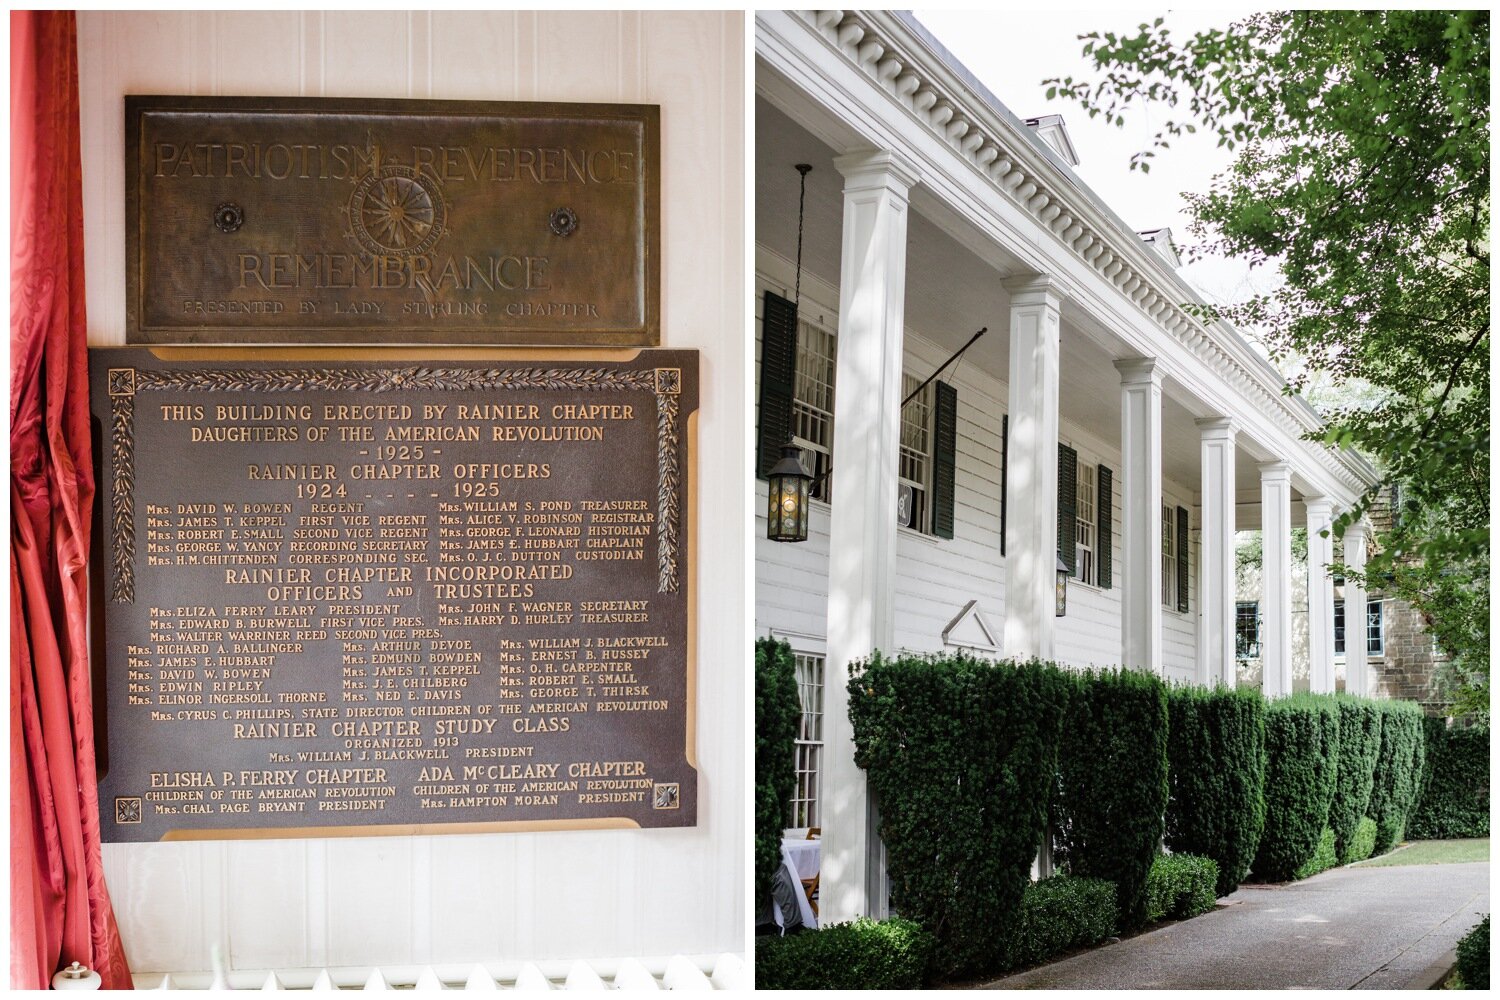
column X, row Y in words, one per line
column 384, row 597
column 318, row 221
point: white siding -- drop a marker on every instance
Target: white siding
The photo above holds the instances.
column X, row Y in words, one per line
column 586, row 895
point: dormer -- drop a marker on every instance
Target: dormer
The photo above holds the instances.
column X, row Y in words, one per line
column 1160, row 240
column 1051, row 130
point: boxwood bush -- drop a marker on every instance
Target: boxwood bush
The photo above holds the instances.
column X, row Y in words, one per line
column 1301, row 765
column 1474, row 956
column 862, row 955
column 1216, row 754
column 960, row 754
column 777, row 715
column 1324, row 858
column 1060, row 913
column 1180, row 886
column 1455, row 801
column 1398, row 772
column 1363, row 843
column 1112, row 784
column 1358, row 748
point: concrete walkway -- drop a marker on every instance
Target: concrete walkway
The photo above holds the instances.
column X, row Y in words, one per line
column 1350, row 928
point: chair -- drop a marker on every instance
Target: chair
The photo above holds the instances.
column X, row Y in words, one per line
column 810, row 885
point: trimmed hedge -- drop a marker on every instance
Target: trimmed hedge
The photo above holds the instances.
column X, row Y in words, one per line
column 1301, row 740
column 1216, row 754
column 1112, row 784
column 960, row 754
column 1363, row 843
column 1180, row 886
column 1358, row 748
column 1060, row 913
column 1324, row 858
column 1455, row 800
column 1474, row 956
column 1398, row 772
column 778, row 712
column 862, row 955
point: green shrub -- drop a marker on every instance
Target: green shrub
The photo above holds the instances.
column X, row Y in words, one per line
column 1474, row 956
column 1060, row 913
column 960, row 754
column 1112, row 784
column 862, row 955
column 777, row 715
column 1301, row 737
column 1358, row 748
column 1216, row 756
column 1181, row 886
column 1362, row 844
column 1455, row 800
column 1398, row 772
column 1324, row 858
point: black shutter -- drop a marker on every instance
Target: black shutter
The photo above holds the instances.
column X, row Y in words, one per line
column 1067, row 507
column 778, row 375
column 1182, row 559
column 944, row 438
column 1004, row 471
column 1104, row 545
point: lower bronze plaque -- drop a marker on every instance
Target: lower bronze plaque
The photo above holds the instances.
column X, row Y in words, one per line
column 378, row 597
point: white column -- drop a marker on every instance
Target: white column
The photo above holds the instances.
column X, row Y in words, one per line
column 862, row 556
column 1319, row 594
column 1357, row 679
column 1140, row 448
column 1216, row 554
column 1031, row 469
column 1276, row 578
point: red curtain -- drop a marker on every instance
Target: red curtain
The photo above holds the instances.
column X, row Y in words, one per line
column 60, row 909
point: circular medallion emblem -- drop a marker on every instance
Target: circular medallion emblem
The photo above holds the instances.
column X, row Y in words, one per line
column 397, row 210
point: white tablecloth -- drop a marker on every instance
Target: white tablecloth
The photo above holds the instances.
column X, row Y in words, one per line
column 804, row 855
column 800, row 859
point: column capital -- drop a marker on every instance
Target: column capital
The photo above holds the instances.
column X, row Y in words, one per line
column 1319, row 506
column 1138, row 371
column 1212, row 428
column 1359, row 530
column 1276, row 472
column 871, row 169
column 1033, row 290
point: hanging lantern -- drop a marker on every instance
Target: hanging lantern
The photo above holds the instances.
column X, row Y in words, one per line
column 786, row 506
column 1062, row 588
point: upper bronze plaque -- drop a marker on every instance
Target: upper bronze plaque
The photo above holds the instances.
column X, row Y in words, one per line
column 316, row 221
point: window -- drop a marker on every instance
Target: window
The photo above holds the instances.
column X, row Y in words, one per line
column 1085, row 544
column 916, row 451
column 1374, row 628
column 1246, row 629
column 812, row 403
column 1168, row 558
column 804, row 805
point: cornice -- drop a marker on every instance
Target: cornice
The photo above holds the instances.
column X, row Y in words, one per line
column 899, row 59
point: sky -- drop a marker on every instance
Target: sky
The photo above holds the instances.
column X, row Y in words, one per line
column 1012, row 52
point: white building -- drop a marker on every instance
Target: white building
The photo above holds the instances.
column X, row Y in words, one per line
column 1096, row 419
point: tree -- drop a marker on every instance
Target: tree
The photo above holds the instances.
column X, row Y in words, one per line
column 1363, row 172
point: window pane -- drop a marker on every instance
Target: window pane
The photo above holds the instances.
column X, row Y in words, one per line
column 916, row 448
column 1375, row 628
column 1085, row 528
column 1338, row 627
column 804, row 805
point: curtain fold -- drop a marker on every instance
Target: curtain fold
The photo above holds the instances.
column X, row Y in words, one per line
column 60, row 908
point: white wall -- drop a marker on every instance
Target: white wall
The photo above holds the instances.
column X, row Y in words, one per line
column 936, row 577
column 352, row 902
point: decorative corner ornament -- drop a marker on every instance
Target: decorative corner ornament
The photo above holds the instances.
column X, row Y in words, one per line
column 228, row 217
column 563, row 221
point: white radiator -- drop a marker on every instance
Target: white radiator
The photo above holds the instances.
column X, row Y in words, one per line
column 699, row 972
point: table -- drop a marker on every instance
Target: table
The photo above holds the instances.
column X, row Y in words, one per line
column 800, row 859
